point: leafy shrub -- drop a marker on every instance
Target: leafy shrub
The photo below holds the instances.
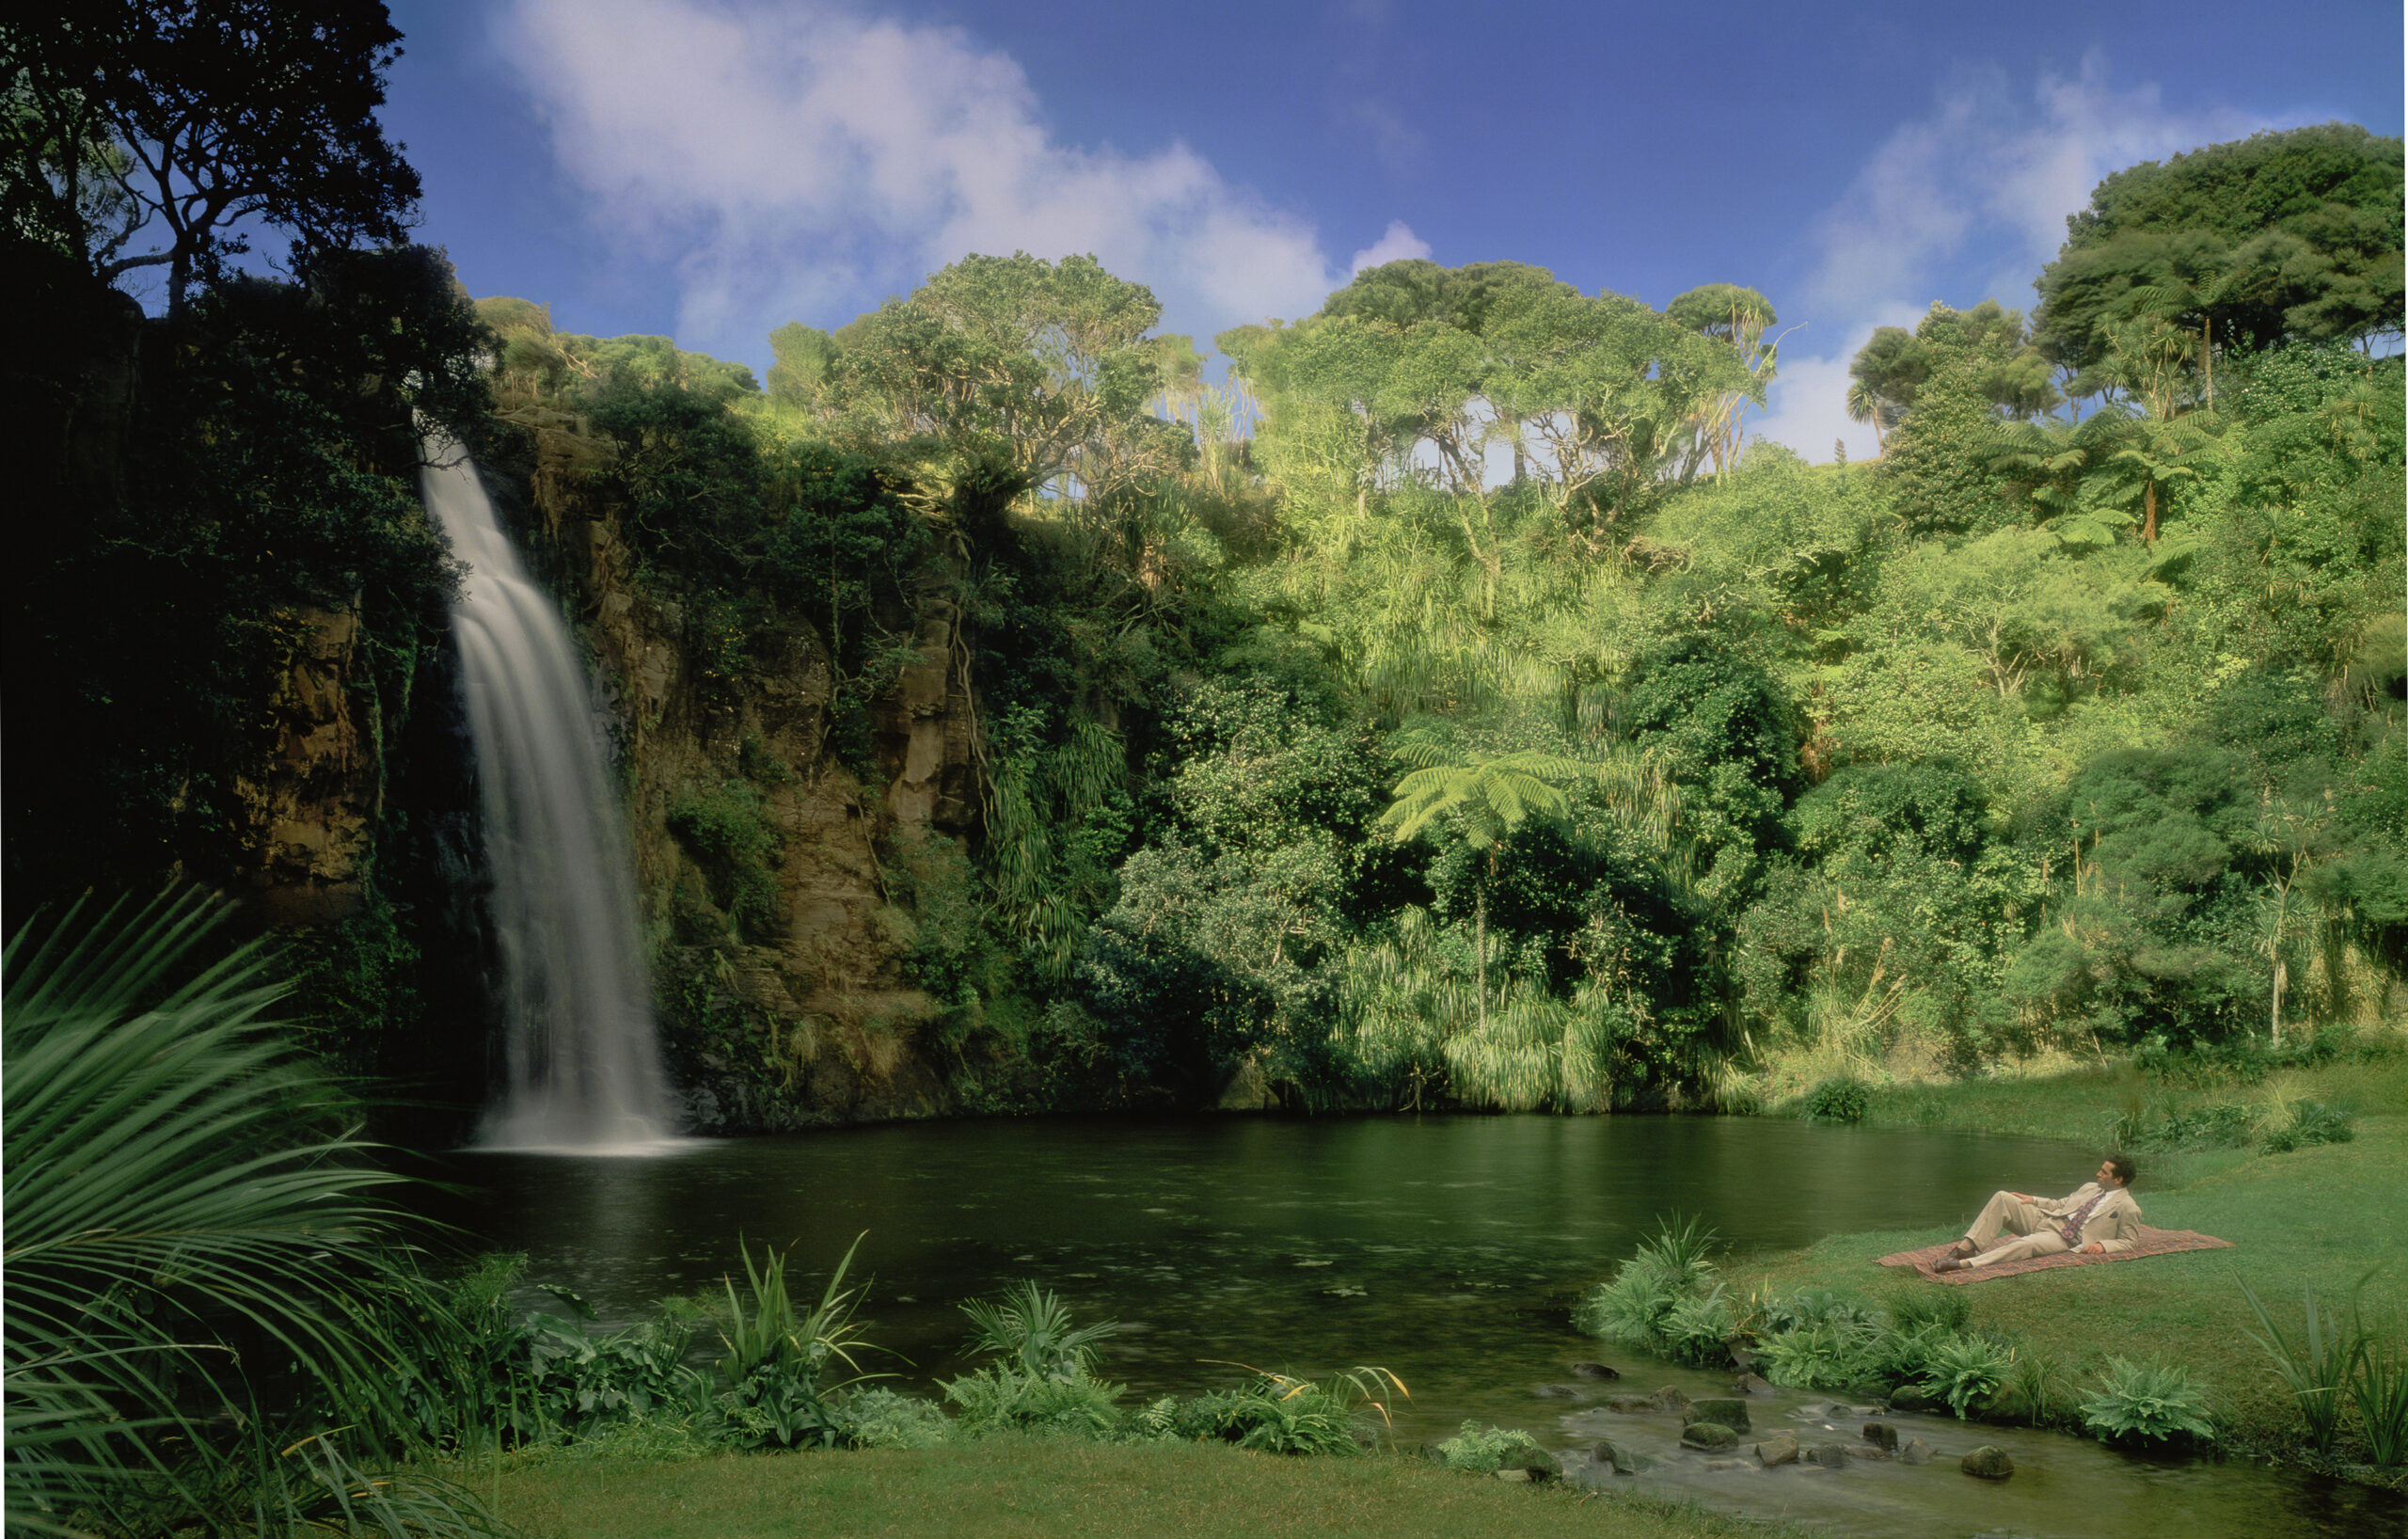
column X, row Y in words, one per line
column 881, row 1418
column 999, row 1398
column 772, row 1381
column 2152, row 1400
column 1663, row 1277
column 1698, row 1327
column 1031, row 1327
column 1839, row 1100
column 1631, row 1307
column 1043, row 1380
column 2311, row 1122
column 1826, row 1355
column 1947, row 1308
column 181, row 1184
column 1483, row 1453
column 1277, row 1414
column 728, row 832
column 1966, row 1370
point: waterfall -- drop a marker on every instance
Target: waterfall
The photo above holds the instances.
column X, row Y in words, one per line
column 584, row 1069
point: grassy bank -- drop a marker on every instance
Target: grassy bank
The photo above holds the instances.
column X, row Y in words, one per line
column 2323, row 1217
column 1005, row 1486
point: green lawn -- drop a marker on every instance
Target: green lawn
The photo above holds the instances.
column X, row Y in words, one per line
column 1006, row 1486
column 2323, row 1216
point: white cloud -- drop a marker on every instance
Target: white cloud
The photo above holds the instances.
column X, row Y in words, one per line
column 1965, row 203
column 1396, row 244
column 802, row 159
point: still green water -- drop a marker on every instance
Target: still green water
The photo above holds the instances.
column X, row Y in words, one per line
column 1450, row 1251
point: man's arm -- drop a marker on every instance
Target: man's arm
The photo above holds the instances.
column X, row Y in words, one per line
column 2058, row 1207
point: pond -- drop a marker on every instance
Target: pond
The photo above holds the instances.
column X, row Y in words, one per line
column 1450, row 1251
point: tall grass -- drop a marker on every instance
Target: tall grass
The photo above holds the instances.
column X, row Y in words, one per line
column 184, row 1206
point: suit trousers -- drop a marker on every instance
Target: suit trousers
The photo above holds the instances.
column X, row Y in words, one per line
column 2008, row 1213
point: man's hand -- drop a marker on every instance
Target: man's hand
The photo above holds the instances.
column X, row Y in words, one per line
column 2023, row 1197
column 2094, row 1249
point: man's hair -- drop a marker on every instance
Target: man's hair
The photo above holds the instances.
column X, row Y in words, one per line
column 2123, row 1167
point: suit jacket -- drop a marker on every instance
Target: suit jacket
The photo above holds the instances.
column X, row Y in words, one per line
column 2113, row 1224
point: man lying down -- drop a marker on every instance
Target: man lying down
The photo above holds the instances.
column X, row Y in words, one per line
column 2100, row 1218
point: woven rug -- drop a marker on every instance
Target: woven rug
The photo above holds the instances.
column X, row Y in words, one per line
column 2151, row 1242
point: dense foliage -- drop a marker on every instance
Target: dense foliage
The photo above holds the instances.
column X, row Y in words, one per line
column 1455, row 711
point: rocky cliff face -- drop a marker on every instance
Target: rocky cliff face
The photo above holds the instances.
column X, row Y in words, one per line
column 312, row 799
column 807, row 1017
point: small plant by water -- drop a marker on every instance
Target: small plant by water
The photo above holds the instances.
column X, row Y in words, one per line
column 1482, row 1450
column 2152, row 1402
column 774, row 1384
column 1042, row 1377
column 2314, row 1367
column 1967, row 1371
column 2379, row 1386
column 1665, row 1299
column 1841, row 1098
column 1275, row 1413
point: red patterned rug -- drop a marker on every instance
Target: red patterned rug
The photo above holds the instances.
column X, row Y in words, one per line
column 2151, row 1242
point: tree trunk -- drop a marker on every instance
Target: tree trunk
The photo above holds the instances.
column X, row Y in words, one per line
column 2282, row 976
column 1479, row 951
column 2207, row 358
column 2149, row 511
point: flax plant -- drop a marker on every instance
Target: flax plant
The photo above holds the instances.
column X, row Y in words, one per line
column 2316, row 1368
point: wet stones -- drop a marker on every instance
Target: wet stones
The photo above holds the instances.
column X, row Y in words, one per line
column 1711, row 1436
column 1829, row 1455
column 1633, row 1405
column 1750, row 1384
column 1670, row 1399
column 1916, row 1452
column 1882, row 1436
column 1728, row 1413
column 1779, row 1448
column 1594, row 1371
column 1987, row 1463
column 1555, row 1391
column 1528, row 1463
column 1612, row 1455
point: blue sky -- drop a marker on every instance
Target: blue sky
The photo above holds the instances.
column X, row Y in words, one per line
column 711, row 168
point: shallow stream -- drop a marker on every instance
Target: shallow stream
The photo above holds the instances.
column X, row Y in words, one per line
column 1450, row 1251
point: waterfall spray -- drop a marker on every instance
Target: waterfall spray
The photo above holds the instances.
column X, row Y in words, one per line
column 583, row 1065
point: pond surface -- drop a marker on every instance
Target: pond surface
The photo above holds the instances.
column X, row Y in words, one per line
column 1450, row 1251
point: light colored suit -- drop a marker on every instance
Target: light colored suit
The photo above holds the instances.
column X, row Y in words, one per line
column 2113, row 1224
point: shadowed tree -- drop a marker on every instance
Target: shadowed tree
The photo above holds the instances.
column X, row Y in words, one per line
column 202, row 114
column 1490, row 796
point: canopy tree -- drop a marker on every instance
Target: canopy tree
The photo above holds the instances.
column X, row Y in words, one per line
column 2283, row 234
column 1041, row 367
column 184, row 119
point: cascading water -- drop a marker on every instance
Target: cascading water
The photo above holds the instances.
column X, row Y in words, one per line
column 584, row 1069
